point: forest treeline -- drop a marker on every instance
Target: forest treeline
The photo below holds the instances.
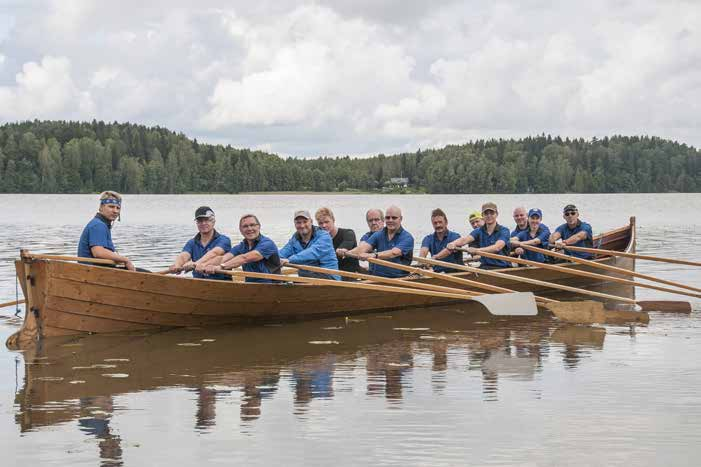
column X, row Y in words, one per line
column 85, row 157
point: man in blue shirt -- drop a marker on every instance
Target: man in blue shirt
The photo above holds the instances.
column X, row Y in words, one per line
column 207, row 244
column 96, row 238
column 573, row 232
column 435, row 243
column 491, row 237
column 255, row 253
column 392, row 243
column 310, row 245
column 521, row 220
column 537, row 234
column 376, row 222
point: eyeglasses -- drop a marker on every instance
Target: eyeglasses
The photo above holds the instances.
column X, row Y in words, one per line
column 570, row 213
column 375, row 219
column 203, row 220
column 387, row 218
column 249, row 226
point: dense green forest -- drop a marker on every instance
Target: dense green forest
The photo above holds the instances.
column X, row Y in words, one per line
column 84, row 157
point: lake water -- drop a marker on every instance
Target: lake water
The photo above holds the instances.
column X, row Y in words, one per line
column 422, row 387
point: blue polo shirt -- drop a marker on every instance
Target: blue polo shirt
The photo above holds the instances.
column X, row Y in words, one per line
column 483, row 239
column 543, row 234
column 402, row 240
column 566, row 232
column 318, row 251
column 98, row 232
column 270, row 264
column 196, row 250
column 364, row 238
column 518, row 230
column 435, row 246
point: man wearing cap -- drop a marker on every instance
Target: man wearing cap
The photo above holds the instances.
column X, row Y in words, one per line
column 521, row 220
column 392, row 243
column 537, row 234
column 96, row 238
column 573, row 232
column 310, row 245
column 342, row 238
column 255, row 253
column 435, row 243
column 207, row 244
column 491, row 237
column 376, row 222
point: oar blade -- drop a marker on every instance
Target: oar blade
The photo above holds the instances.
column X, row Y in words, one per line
column 509, row 304
column 668, row 306
column 591, row 312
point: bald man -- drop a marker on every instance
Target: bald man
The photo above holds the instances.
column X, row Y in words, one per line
column 392, row 243
column 521, row 219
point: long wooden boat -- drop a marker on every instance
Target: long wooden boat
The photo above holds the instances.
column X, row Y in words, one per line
column 65, row 298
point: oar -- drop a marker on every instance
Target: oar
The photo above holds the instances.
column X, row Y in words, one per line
column 521, row 304
column 582, row 312
column 526, row 280
column 448, row 278
column 72, row 258
column 608, row 267
column 16, row 302
column 386, row 280
column 668, row 306
column 629, row 255
column 592, row 275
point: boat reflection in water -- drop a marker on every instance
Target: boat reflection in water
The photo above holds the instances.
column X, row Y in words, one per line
column 76, row 378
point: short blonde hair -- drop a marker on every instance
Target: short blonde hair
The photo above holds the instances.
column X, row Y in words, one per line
column 324, row 212
column 110, row 195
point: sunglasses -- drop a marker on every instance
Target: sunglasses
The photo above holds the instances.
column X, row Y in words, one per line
column 391, row 218
column 488, row 212
column 570, row 213
column 249, row 226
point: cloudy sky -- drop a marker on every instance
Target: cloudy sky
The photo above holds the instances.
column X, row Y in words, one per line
column 357, row 76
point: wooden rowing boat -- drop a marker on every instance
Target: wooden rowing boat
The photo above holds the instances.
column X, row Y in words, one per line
column 65, row 298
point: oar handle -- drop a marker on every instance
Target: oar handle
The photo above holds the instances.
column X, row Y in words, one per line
column 16, row 302
column 71, row 258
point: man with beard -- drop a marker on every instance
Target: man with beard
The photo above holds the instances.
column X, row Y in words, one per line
column 436, row 242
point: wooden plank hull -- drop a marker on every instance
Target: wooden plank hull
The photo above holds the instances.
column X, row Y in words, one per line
column 67, row 298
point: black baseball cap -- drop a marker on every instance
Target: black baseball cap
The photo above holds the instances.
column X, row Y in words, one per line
column 569, row 207
column 204, row 211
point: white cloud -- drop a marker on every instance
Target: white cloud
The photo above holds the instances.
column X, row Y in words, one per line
column 44, row 90
column 370, row 77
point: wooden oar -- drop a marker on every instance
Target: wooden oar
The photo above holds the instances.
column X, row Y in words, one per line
column 526, row 280
column 607, row 267
column 521, row 304
column 597, row 251
column 72, row 258
column 593, row 275
column 582, row 312
column 449, row 278
column 16, row 302
column 667, row 306
column 386, row 280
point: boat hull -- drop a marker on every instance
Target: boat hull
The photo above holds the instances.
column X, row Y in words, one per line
column 66, row 298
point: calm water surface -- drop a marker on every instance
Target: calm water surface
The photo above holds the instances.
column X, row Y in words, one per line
column 422, row 387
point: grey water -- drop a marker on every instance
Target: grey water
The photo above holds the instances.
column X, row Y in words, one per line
column 421, row 387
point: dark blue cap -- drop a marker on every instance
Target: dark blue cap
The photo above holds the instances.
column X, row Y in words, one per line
column 535, row 212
